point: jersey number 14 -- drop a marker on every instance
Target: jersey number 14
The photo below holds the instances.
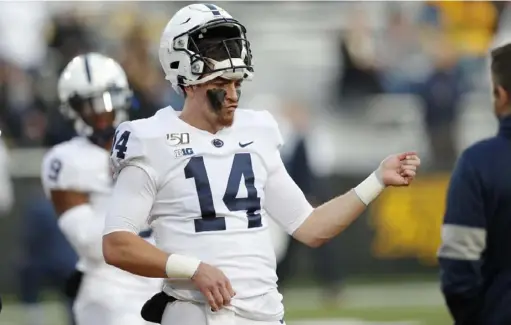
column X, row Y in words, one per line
column 241, row 166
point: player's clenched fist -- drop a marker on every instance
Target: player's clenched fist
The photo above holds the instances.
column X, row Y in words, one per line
column 214, row 285
column 398, row 170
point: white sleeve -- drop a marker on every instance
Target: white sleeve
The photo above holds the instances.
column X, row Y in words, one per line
column 83, row 230
column 131, row 202
column 284, row 201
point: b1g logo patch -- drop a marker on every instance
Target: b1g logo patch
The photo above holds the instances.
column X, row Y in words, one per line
column 183, row 152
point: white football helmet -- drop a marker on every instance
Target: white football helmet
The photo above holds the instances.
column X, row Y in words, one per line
column 92, row 84
column 190, row 36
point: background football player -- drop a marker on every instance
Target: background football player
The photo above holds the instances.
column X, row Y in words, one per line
column 76, row 176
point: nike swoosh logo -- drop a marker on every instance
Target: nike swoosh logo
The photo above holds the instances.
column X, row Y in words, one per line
column 243, row 145
column 184, row 22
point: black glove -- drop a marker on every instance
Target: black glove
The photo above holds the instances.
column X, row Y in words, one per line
column 73, row 284
column 153, row 309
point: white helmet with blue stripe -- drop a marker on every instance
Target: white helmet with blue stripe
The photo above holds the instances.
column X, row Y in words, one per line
column 202, row 42
column 90, row 85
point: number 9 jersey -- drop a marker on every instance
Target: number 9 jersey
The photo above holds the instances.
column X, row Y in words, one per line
column 212, row 196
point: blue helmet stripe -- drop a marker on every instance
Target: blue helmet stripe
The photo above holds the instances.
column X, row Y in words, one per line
column 213, row 9
column 88, row 71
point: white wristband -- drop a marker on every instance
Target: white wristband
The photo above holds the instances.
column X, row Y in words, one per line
column 181, row 267
column 369, row 189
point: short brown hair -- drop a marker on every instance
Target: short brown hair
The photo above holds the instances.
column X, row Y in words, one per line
column 501, row 66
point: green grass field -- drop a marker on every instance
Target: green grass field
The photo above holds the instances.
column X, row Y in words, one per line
column 426, row 315
column 13, row 315
column 409, row 303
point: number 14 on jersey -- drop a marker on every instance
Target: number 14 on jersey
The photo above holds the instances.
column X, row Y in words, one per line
column 241, row 166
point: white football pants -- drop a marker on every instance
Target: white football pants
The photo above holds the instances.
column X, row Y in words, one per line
column 102, row 302
column 187, row 313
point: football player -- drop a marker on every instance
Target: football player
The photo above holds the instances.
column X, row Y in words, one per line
column 94, row 92
column 208, row 180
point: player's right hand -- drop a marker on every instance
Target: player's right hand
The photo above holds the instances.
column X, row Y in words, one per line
column 399, row 170
column 214, row 285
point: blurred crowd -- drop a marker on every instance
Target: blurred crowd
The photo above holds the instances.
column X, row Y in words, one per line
column 435, row 50
column 439, row 54
column 29, row 71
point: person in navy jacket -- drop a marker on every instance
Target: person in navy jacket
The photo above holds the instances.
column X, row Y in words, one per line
column 475, row 255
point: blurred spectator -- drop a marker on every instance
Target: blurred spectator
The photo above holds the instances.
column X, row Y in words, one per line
column 503, row 32
column 469, row 26
column 295, row 151
column 22, row 41
column 22, row 112
column 47, row 260
column 151, row 90
column 33, row 128
column 28, row 91
column 441, row 94
column 4, row 112
column 16, row 98
column 69, row 37
column 401, row 58
column 359, row 75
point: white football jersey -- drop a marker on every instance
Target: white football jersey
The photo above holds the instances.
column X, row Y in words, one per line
column 210, row 199
column 81, row 166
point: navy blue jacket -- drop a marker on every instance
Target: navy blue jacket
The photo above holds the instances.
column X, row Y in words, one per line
column 475, row 256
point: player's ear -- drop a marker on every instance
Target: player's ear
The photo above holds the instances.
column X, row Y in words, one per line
column 501, row 96
column 189, row 90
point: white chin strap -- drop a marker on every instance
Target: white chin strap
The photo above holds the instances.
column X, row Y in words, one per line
column 230, row 74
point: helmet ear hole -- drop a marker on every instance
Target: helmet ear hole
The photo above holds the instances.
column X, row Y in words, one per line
column 174, row 65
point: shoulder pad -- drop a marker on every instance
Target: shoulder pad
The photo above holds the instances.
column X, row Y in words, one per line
column 61, row 169
column 262, row 119
column 127, row 147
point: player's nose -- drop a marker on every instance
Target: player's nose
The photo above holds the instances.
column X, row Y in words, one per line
column 232, row 92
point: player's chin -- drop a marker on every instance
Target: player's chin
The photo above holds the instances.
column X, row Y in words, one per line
column 227, row 120
column 227, row 117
